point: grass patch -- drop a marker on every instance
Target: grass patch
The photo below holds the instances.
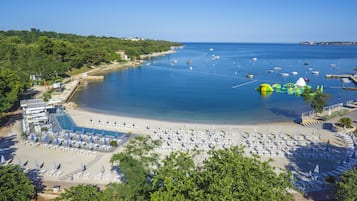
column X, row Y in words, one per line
column 76, row 71
column 335, row 114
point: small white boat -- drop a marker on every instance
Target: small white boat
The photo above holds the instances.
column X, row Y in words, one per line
column 277, row 68
column 211, row 49
column 270, row 71
column 315, row 72
column 250, row 75
column 190, row 67
column 310, row 69
column 254, row 59
column 333, row 65
column 284, row 74
column 173, row 62
column 294, row 73
column 345, row 80
column 215, row 57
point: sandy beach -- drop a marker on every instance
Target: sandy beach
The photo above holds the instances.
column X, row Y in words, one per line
column 290, row 145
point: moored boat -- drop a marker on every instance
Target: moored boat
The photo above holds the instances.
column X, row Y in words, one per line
column 250, row 75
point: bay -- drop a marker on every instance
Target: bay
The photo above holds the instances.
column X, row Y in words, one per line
column 206, row 83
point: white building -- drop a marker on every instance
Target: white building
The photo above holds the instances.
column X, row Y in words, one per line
column 35, row 114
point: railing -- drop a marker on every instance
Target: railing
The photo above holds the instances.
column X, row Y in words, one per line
column 327, row 108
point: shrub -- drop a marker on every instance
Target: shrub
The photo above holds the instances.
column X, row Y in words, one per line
column 330, row 179
column 113, row 143
column 345, row 122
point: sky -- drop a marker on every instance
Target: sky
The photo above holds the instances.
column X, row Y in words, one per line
column 282, row 21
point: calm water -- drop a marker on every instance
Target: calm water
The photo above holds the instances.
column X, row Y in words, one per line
column 166, row 87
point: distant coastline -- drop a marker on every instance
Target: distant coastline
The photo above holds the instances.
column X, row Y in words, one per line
column 339, row 43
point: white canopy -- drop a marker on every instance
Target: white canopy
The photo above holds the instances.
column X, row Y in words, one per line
column 300, row 82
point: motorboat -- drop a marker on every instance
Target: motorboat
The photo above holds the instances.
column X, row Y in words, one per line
column 190, row 67
column 215, row 57
column 211, row 49
column 284, row 74
column 277, row 68
column 174, row 61
column 345, row 80
column 294, row 73
column 310, row 69
column 250, row 75
column 189, row 62
column 315, row 72
column 270, row 71
column 254, row 59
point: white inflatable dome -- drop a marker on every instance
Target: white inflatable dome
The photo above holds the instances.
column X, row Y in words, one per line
column 300, row 82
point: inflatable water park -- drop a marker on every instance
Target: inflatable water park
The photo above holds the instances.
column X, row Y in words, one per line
column 289, row 88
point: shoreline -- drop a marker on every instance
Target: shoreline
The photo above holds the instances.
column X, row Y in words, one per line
column 75, row 81
column 82, row 117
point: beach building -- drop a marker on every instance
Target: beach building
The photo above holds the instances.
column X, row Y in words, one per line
column 122, row 55
column 35, row 114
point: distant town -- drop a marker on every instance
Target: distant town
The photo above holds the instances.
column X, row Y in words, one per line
column 328, row 43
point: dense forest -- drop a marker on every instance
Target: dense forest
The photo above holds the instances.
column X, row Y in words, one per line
column 50, row 55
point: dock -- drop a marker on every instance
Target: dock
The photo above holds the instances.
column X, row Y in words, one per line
column 351, row 77
column 93, row 77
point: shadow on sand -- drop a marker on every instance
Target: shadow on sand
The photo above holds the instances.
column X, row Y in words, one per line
column 313, row 163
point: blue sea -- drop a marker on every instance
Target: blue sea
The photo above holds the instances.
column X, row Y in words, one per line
column 207, row 83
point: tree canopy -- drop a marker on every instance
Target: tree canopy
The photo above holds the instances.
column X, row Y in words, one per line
column 11, row 87
column 347, row 187
column 316, row 99
column 14, row 184
column 225, row 175
column 51, row 55
column 80, row 193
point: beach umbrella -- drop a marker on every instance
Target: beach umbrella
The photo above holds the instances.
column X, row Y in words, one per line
column 32, row 136
column 57, row 141
column 102, row 170
column 91, row 139
column 36, row 164
column 83, row 167
column 68, row 142
column 2, row 159
column 80, row 137
column 317, row 169
column 45, row 139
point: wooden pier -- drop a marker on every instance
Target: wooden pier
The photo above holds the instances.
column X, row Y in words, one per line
column 351, row 77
